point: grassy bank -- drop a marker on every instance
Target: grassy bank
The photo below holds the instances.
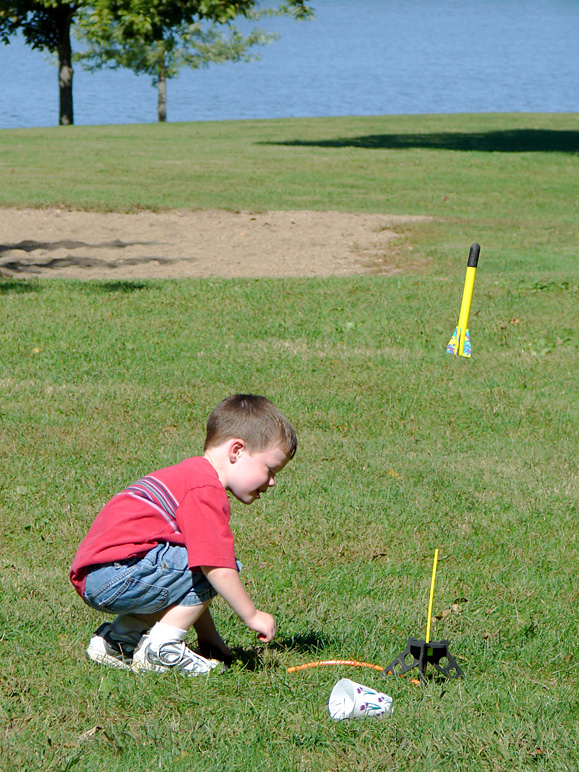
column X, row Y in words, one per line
column 512, row 179
column 402, row 449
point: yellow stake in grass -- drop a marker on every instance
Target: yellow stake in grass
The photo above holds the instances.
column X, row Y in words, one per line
column 419, row 653
column 431, row 596
column 459, row 344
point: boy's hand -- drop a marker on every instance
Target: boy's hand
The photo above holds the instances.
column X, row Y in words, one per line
column 263, row 624
column 228, row 584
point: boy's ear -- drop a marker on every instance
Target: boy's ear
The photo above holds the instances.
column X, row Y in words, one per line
column 235, row 448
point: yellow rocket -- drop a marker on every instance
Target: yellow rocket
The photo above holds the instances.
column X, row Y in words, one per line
column 459, row 344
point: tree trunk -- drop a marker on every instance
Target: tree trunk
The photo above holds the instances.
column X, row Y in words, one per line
column 162, row 93
column 65, row 70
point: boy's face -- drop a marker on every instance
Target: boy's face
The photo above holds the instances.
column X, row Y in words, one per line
column 251, row 474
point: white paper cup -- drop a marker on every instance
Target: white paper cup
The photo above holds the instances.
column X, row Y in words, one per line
column 351, row 700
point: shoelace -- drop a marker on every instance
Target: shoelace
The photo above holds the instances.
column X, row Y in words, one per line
column 176, row 654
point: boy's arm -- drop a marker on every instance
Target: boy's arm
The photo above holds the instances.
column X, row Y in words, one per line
column 228, row 584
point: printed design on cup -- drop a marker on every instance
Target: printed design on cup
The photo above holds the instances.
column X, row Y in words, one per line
column 372, row 702
column 351, row 700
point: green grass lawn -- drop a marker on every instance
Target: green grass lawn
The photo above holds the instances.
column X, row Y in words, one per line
column 511, row 180
column 403, row 449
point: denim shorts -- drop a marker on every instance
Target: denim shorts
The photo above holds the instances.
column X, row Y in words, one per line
column 145, row 585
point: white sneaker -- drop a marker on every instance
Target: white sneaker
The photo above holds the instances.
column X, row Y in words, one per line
column 171, row 655
column 105, row 651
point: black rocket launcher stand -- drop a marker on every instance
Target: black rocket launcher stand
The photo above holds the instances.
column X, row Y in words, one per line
column 421, row 653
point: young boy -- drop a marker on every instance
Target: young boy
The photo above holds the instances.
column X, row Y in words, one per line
column 161, row 549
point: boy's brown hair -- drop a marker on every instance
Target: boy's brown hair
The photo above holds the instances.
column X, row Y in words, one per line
column 255, row 420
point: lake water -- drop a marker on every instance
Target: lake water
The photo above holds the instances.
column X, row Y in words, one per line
column 360, row 57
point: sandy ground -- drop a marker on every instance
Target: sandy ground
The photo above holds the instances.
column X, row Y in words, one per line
column 88, row 245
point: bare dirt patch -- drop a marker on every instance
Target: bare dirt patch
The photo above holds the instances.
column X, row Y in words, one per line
column 178, row 244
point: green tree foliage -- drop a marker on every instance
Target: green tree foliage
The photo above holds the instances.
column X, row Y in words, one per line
column 165, row 26
column 45, row 25
column 162, row 51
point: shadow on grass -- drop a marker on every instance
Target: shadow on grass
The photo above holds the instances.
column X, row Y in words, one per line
column 308, row 643
column 121, row 285
column 18, row 286
column 252, row 659
column 513, row 141
column 14, row 285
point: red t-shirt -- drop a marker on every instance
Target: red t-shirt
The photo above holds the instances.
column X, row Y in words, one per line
column 183, row 504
